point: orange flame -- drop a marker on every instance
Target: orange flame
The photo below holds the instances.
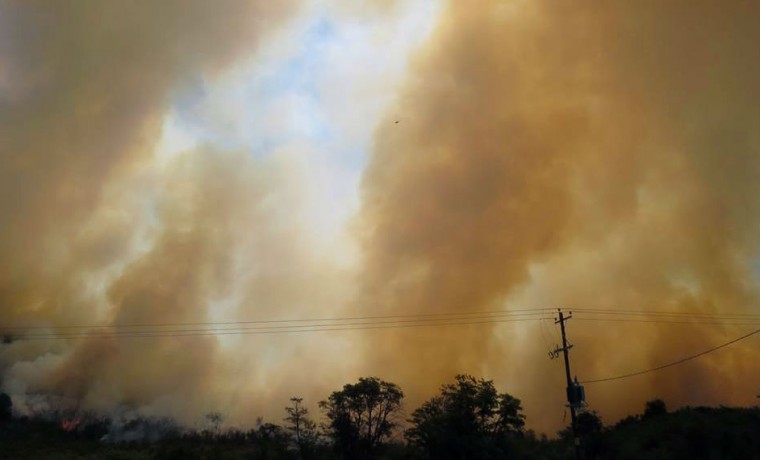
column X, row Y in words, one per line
column 71, row 424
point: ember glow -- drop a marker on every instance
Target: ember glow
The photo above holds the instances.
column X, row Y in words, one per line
column 70, row 424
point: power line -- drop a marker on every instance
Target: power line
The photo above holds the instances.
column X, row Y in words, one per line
column 674, row 321
column 599, row 314
column 668, row 313
column 672, row 316
column 261, row 330
column 283, row 327
column 419, row 316
column 546, row 336
column 674, row 363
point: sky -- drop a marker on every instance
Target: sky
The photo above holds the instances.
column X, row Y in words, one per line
column 195, row 163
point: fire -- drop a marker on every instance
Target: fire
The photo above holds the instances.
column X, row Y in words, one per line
column 71, row 424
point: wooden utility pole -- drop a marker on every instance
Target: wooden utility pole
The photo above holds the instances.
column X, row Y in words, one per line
column 573, row 396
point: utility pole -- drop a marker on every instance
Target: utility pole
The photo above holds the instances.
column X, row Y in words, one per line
column 574, row 391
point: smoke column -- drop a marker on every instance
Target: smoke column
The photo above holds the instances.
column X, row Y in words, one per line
column 92, row 231
column 536, row 155
column 587, row 154
column 106, row 221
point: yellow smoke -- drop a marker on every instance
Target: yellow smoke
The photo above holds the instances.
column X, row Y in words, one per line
column 546, row 154
column 571, row 154
column 92, row 232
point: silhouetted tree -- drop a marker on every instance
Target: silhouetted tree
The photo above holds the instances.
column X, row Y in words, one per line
column 302, row 428
column 654, row 408
column 6, row 407
column 687, row 433
column 270, row 441
column 469, row 419
column 590, row 428
column 361, row 416
column 589, row 423
column 215, row 420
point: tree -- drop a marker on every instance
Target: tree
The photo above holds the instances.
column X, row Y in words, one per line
column 469, row 419
column 270, row 441
column 6, row 406
column 215, row 420
column 361, row 416
column 654, row 408
column 303, row 429
column 590, row 429
column 589, row 423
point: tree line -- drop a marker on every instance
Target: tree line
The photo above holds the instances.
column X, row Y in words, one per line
column 362, row 421
column 468, row 419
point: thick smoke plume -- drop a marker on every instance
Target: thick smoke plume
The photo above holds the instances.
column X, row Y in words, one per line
column 545, row 154
column 93, row 231
column 571, row 154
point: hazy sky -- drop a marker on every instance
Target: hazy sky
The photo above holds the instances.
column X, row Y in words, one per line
column 193, row 161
